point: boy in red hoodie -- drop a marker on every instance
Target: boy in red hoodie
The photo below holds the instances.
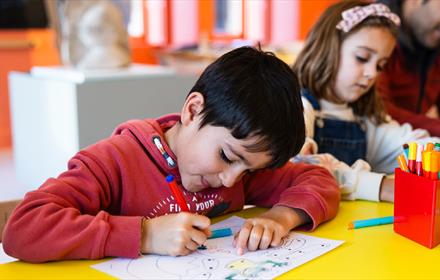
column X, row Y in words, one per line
column 230, row 146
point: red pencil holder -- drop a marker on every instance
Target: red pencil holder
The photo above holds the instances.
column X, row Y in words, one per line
column 417, row 208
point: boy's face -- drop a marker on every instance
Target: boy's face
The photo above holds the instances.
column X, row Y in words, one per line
column 210, row 157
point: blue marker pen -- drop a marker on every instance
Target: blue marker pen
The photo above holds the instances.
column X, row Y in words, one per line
column 222, row 232
column 405, row 151
column 217, row 233
column 371, row 222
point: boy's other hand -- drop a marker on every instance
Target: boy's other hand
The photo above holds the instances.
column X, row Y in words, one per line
column 268, row 229
column 175, row 234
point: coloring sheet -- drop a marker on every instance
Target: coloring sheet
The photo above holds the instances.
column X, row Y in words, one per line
column 220, row 261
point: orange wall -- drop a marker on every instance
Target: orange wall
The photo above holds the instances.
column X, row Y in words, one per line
column 141, row 52
column 309, row 12
column 21, row 58
column 206, row 18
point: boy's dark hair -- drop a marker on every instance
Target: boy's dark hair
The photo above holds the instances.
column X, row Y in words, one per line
column 253, row 93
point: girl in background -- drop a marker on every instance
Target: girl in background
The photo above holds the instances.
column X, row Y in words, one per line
column 346, row 123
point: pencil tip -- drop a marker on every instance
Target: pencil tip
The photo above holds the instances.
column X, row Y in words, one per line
column 350, row 226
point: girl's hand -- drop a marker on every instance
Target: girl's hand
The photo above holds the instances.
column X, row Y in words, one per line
column 387, row 190
column 309, row 148
column 268, row 229
column 174, row 234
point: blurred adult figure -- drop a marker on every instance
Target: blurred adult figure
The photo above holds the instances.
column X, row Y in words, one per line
column 410, row 83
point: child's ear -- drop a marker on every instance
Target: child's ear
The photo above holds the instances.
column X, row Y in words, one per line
column 193, row 105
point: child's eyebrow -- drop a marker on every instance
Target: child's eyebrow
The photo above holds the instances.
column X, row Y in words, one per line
column 371, row 50
column 238, row 155
column 367, row 48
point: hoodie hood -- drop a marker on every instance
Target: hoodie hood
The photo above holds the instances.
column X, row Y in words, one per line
column 150, row 131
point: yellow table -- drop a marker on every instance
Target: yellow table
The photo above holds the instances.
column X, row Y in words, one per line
column 368, row 253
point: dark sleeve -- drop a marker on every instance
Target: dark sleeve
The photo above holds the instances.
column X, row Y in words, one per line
column 416, row 120
column 402, row 115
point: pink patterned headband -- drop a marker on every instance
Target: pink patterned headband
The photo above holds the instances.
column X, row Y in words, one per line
column 355, row 15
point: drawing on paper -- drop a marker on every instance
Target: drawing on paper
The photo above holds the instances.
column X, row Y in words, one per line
column 220, row 261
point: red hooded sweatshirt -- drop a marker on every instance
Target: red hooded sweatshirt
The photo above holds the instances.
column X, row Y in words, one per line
column 95, row 208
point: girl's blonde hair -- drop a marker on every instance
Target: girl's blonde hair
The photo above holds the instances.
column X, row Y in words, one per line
column 318, row 62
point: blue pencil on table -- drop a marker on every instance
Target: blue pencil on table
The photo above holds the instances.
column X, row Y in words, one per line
column 371, row 222
column 217, row 233
column 222, row 232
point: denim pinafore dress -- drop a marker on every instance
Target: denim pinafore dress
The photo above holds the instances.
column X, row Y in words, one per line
column 345, row 140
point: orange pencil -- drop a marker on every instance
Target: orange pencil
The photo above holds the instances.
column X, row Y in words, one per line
column 429, row 146
column 402, row 163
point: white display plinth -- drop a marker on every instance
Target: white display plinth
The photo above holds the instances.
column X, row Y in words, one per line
column 57, row 111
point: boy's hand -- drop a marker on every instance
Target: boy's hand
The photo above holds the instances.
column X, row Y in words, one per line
column 174, row 234
column 268, row 229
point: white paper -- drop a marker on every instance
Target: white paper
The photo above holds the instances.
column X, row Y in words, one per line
column 220, row 261
column 5, row 258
